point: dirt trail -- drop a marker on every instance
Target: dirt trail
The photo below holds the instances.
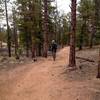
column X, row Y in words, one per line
column 46, row 80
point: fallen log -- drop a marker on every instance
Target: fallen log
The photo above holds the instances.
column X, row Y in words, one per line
column 86, row 59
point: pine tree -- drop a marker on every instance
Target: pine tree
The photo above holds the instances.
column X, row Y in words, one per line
column 98, row 73
column 72, row 61
column 36, row 23
column 45, row 45
column 86, row 26
column 15, row 34
column 8, row 30
column 97, row 26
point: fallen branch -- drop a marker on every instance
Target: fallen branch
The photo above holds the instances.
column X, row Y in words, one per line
column 86, row 59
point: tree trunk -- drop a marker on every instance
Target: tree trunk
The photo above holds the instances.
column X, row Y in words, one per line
column 81, row 36
column 97, row 15
column 33, row 51
column 92, row 32
column 15, row 35
column 68, row 39
column 72, row 60
column 91, row 40
column 27, row 43
column 45, row 45
column 39, row 49
column 8, row 32
column 0, row 44
column 98, row 74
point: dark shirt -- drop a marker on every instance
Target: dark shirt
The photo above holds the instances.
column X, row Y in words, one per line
column 54, row 47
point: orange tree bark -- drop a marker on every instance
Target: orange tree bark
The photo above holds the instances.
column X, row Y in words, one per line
column 72, row 61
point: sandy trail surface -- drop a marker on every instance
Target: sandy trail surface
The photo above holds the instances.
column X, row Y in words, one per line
column 48, row 80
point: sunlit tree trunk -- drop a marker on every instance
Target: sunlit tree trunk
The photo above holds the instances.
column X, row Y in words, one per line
column 72, row 61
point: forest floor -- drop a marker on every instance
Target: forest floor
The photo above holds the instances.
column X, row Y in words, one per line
column 49, row 80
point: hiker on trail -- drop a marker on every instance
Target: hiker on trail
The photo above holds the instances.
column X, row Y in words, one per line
column 54, row 49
